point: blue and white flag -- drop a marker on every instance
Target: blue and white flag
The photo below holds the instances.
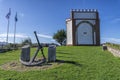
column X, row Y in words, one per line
column 8, row 14
column 16, row 19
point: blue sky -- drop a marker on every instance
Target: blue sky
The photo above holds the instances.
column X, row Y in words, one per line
column 48, row 16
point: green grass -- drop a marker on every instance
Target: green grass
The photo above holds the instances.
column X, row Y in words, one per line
column 80, row 63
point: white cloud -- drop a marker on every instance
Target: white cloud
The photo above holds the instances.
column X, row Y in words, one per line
column 116, row 20
column 44, row 36
column 112, row 40
column 12, row 35
column 2, row 39
column 53, row 40
column 19, row 37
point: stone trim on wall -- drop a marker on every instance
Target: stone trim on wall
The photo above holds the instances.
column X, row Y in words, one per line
column 114, row 51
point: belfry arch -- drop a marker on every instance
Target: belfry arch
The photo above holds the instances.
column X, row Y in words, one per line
column 84, row 33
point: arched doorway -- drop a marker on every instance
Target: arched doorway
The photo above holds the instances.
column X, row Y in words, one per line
column 84, row 34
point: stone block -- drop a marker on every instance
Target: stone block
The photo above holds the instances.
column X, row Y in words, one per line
column 25, row 53
column 104, row 47
column 52, row 53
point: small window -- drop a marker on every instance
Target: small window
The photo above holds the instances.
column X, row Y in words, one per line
column 85, row 33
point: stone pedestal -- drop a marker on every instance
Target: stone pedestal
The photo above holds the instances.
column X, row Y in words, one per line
column 104, row 47
column 25, row 53
column 52, row 53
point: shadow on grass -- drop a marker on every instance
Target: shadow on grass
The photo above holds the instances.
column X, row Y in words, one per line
column 69, row 62
column 69, row 57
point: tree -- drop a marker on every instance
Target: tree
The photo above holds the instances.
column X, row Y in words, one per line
column 60, row 36
column 27, row 41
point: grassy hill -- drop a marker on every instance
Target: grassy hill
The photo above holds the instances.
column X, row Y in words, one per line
column 78, row 63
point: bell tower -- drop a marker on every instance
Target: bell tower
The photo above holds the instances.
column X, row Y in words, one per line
column 83, row 27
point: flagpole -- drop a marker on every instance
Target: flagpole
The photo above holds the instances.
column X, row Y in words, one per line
column 14, row 34
column 8, row 18
column 7, row 31
column 15, row 29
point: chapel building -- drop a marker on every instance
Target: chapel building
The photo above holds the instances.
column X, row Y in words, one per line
column 83, row 28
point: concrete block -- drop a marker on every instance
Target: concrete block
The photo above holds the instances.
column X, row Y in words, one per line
column 25, row 53
column 52, row 53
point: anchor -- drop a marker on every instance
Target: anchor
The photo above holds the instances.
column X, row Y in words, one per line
column 25, row 55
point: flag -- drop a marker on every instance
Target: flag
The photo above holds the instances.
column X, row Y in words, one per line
column 16, row 19
column 8, row 14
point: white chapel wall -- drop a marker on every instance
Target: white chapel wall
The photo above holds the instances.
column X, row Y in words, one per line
column 69, row 33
